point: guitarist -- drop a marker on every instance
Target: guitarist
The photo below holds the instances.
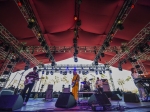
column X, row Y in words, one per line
column 34, row 75
column 137, row 78
column 75, row 85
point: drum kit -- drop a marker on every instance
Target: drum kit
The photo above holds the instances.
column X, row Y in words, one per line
column 86, row 86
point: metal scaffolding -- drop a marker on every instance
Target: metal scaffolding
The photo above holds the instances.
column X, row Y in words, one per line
column 9, row 38
column 28, row 14
column 132, row 44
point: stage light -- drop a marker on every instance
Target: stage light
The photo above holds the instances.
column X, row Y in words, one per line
column 19, row 3
column 76, row 51
column 17, row 59
column 102, row 55
column 75, row 59
column 83, row 73
column 134, row 60
column 70, row 72
column 53, row 63
column 75, row 30
column 75, row 17
column 51, row 72
column 103, row 48
column 26, row 67
column 78, row 23
column 87, row 72
column 141, row 49
column 43, row 43
column 110, row 71
column 60, row 72
column 2, row 80
column 74, row 69
column 107, row 44
column 132, row 6
column 46, row 47
column 140, row 72
column 100, row 72
column 43, row 72
column 6, row 73
column 120, row 26
column 79, row 72
column 104, row 71
column 79, row 1
column 6, row 49
column 47, row 72
column 47, row 55
column 112, row 34
column 96, row 62
column 40, row 39
column 96, row 72
column 75, row 41
column 12, row 60
column 137, row 66
column 65, row 73
column 31, row 23
column 120, row 68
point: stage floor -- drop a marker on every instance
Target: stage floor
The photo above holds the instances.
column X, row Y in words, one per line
column 39, row 105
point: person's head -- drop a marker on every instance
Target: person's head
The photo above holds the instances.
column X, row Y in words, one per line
column 133, row 70
column 34, row 69
column 74, row 73
column 97, row 78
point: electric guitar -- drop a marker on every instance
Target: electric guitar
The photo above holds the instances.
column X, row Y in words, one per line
column 30, row 80
column 74, row 82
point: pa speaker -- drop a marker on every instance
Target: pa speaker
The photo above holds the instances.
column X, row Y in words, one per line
column 6, row 92
column 10, row 102
column 131, row 97
column 65, row 100
column 100, row 99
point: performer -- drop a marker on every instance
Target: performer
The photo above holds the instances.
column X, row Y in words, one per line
column 141, row 89
column 86, row 84
column 99, row 85
column 75, row 85
column 31, row 75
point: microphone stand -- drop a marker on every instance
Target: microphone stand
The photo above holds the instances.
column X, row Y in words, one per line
column 16, row 90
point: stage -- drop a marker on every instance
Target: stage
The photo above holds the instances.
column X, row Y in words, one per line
column 39, row 105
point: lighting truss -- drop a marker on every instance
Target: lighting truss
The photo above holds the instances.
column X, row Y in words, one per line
column 121, row 16
column 68, row 49
column 141, row 56
column 132, row 44
column 27, row 13
column 9, row 38
column 89, row 67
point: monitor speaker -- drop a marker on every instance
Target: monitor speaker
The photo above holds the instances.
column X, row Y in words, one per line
column 131, row 97
column 10, row 102
column 6, row 92
column 100, row 99
column 65, row 100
